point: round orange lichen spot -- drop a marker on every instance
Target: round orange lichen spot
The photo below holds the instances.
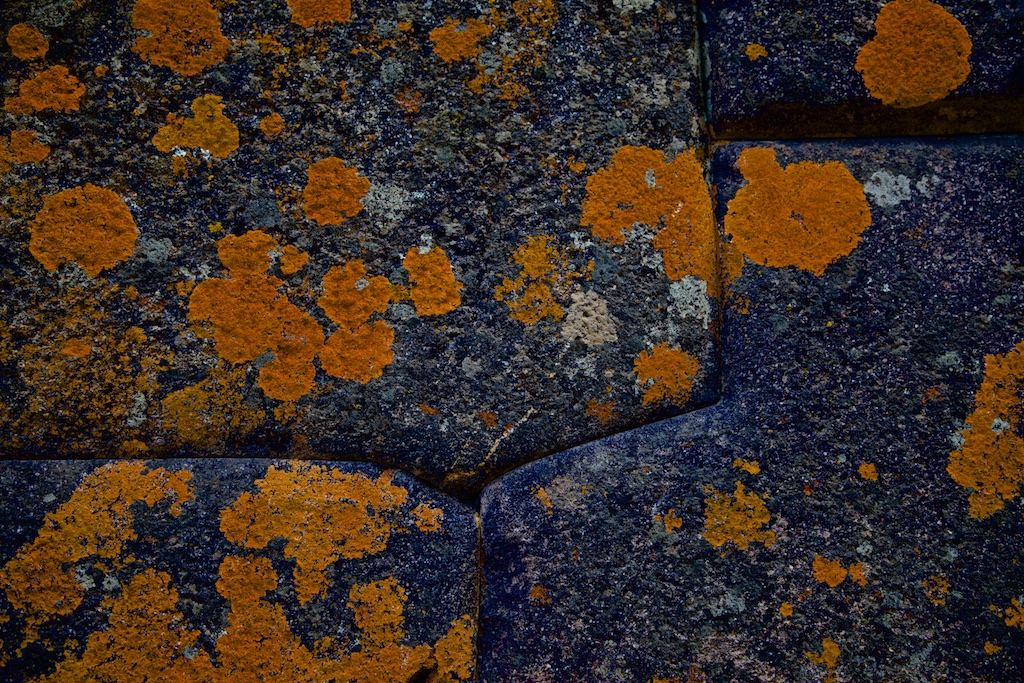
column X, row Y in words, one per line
column 26, row 42
column 184, row 35
column 54, row 89
column 454, row 40
column 806, row 215
column 755, row 51
column 667, row 373
column 919, row 54
column 828, row 571
column 361, row 354
column 89, row 225
column 868, row 471
column 75, row 348
column 350, row 297
column 306, row 13
column 434, row 288
column 272, row 125
column 247, row 254
column 292, row 260
column 333, row 192
column 208, row 129
column 26, row 148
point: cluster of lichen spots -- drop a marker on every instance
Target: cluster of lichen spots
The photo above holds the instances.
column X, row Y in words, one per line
column 665, row 373
column 828, row 657
column 990, row 461
column 738, row 518
column 322, row 513
column 833, row 573
column 184, row 35
column 272, row 125
column 307, row 13
column 544, row 273
column 26, row 42
column 428, row 518
column 671, row 521
column 87, row 225
column 1013, row 615
column 22, row 147
column 919, row 54
column 251, row 317
column 806, row 215
column 212, row 411
column 434, row 289
column 95, row 523
column 455, row 41
column 602, row 411
column 208, row 129
column 334, row 191
column 359, row 349
column 868, row 471
column 755, row 51
column 55, row 88
column 936, row 588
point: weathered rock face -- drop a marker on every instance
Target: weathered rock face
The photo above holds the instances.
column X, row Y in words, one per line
column 438, row 237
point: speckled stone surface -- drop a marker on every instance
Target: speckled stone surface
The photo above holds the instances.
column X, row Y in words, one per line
column 228, row 570
column 360, row 238
column 850, row 510
column 791, row 69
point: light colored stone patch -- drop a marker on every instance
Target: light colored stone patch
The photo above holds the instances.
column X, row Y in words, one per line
column 690, row 299
column 588, row 320
column 632, row 6
column 928, row 184
column 565, row 494
column 887, row 190
column 389, row 203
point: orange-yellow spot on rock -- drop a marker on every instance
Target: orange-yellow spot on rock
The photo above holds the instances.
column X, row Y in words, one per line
column 544, row 269
column 858, row 573
column 306, row 13
column 434, row 289
column 748, row 466
column 361, row 354
column 1014, row 614
column 666, row 373
column 829, row 657
column 272, row 125
column 868, row 471
column 96, row 522
column 991, row 460
column 602, row 411
column 350, row 297
column 738, row 518
column 540, row 595
column 489, row 419
column 545, row 500
column 919, row 54
column 250, row 317
column 670, row 519
column 208, row 413
column 26, row 148
column 184, row 35
column 88, row 225
column 208, row 129
column 54, row 88
column 293, row 260
column 75, row 348
column 828, row 571
column 639, row 185
column 26, row 42
column 755, row 51
column 786, row 610
column 378, row 608
column 455, row 653
column 455, row 40
column 323, row 514
column 805, row 215
column 359, row 350
column 991, row 648
column 333, row 192
column 936, row 588
column 429, row 519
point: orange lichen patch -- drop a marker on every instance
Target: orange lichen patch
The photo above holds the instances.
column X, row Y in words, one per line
column 544, row 271
column 293, row 260
column 54, row 89
column 428, row 519
column 96, row 522
column 208, row 129
column 184, row 35
column 540, row 595
column 322, row 513
column 26, row 42
column 670, row 519
column 88, row 225
column 26, row 148
column 250, row 317
column 545, row 500
column 333, row 192
column 409, row 100
column 991, row 648
column 1012, row 615
column 306, row 13
column 936, row 588
column 919, row 54
column 805, row 215
column 748, row 466
column 361, row 354
column 786, row 610
column 738, row 518
column 212, row 411
column 350, row 297
column 755, row 51
column 666, row 373
column 867, row 471
column 602, row 411
column 272, row 125
column 640, row 185
column 378, row 608
column 434, row 289
column 455, row 651
column 858, row 573
column 75, row 348
column 489, row 419
column 827, row 571
column 829, row 657
column 456, row 40
column 991, row 460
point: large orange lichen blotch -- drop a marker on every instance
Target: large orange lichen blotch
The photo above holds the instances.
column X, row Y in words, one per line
column 828, row 571
column 359, row 350
column 544, row 269
column 805, row 215
column 333, row 192
column 208, row 129
column 96, row 522
column 306, row 13
column 640, row 186
column 666, row 373
column 272, row 125
column 26, row 42
column 434, row 288
column 322, row 513
column 738, row 518
column 26, row 148
column 184, row 35
column 829, row 658
column 454, row 41
column 990, row 462
column 54, row 89
column 378, row 609
column 89, row 225
column 919, row 54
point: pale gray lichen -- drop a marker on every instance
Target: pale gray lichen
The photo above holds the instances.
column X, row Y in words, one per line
column 887, row 190
column 690, row 299
column 588, row 320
